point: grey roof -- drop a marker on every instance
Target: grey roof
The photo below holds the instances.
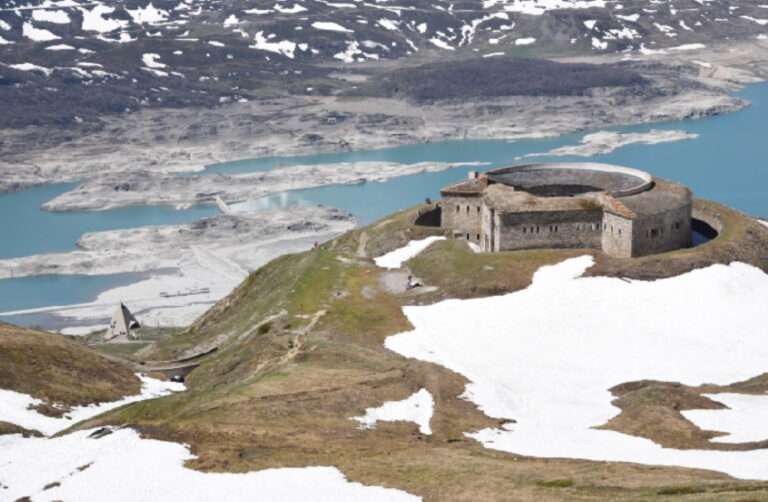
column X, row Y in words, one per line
column 589, row 177
column 663, row 196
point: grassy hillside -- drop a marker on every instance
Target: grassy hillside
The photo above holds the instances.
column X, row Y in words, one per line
column 58, row 370
column 300, row 351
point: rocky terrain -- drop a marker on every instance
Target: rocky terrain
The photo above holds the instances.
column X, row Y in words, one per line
column 175, row 86
column 68, row 62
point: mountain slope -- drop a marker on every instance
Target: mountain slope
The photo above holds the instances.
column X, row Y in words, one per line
column 57, row 370
column 300, row 352
column 68, row 62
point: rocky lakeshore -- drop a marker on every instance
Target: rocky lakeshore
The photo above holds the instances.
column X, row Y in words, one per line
column 208, row 258
column 112, row 190
column 689, row 84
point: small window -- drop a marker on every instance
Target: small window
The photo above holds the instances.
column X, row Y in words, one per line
column 478, row 209
column 467, row 209
column 458, row 208
column 467, row 236
column 478, row 237
column 525, row 229
column 654, row 232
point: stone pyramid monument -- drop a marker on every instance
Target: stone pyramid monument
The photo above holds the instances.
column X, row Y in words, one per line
column 122, row 323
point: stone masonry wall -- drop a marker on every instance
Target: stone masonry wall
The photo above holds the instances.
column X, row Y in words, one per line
column 662, row 232
column 462, row 215
column 556, row 229
column 617, row 235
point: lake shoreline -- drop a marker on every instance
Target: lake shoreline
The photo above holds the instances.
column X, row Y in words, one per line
column 193, row 139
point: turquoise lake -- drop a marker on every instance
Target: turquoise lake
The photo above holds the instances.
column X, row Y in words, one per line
column 727, row 162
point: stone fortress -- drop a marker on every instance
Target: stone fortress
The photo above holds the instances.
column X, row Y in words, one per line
column 623, row 212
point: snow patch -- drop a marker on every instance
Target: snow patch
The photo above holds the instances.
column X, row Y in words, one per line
column 688, row 47
column 745, row 420
column 148, row 15
column 418, row 408
column 551, row 372
column 599, row 44
column 151, row 60
column 761, row 22
column 37, row 34
column 295, row 9
column 395, row 259
column 539, row 7
column 51, row 16
column 122, row 466
column 93, row 20
column 330, row 26
column 441, row 44
column 60, row 47
column 31, row 67
column 631, row 18
column 353, row 53
column 283, row 47
column 15, row 407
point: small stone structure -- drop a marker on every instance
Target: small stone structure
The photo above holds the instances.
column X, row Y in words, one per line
column 122, row 324
column 623, row 212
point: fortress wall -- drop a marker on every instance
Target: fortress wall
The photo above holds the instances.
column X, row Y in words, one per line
column 710, row 218
column 462, row 215
column 617, row 235
column 555, row 229
column 662, row 232
column 486, row 232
